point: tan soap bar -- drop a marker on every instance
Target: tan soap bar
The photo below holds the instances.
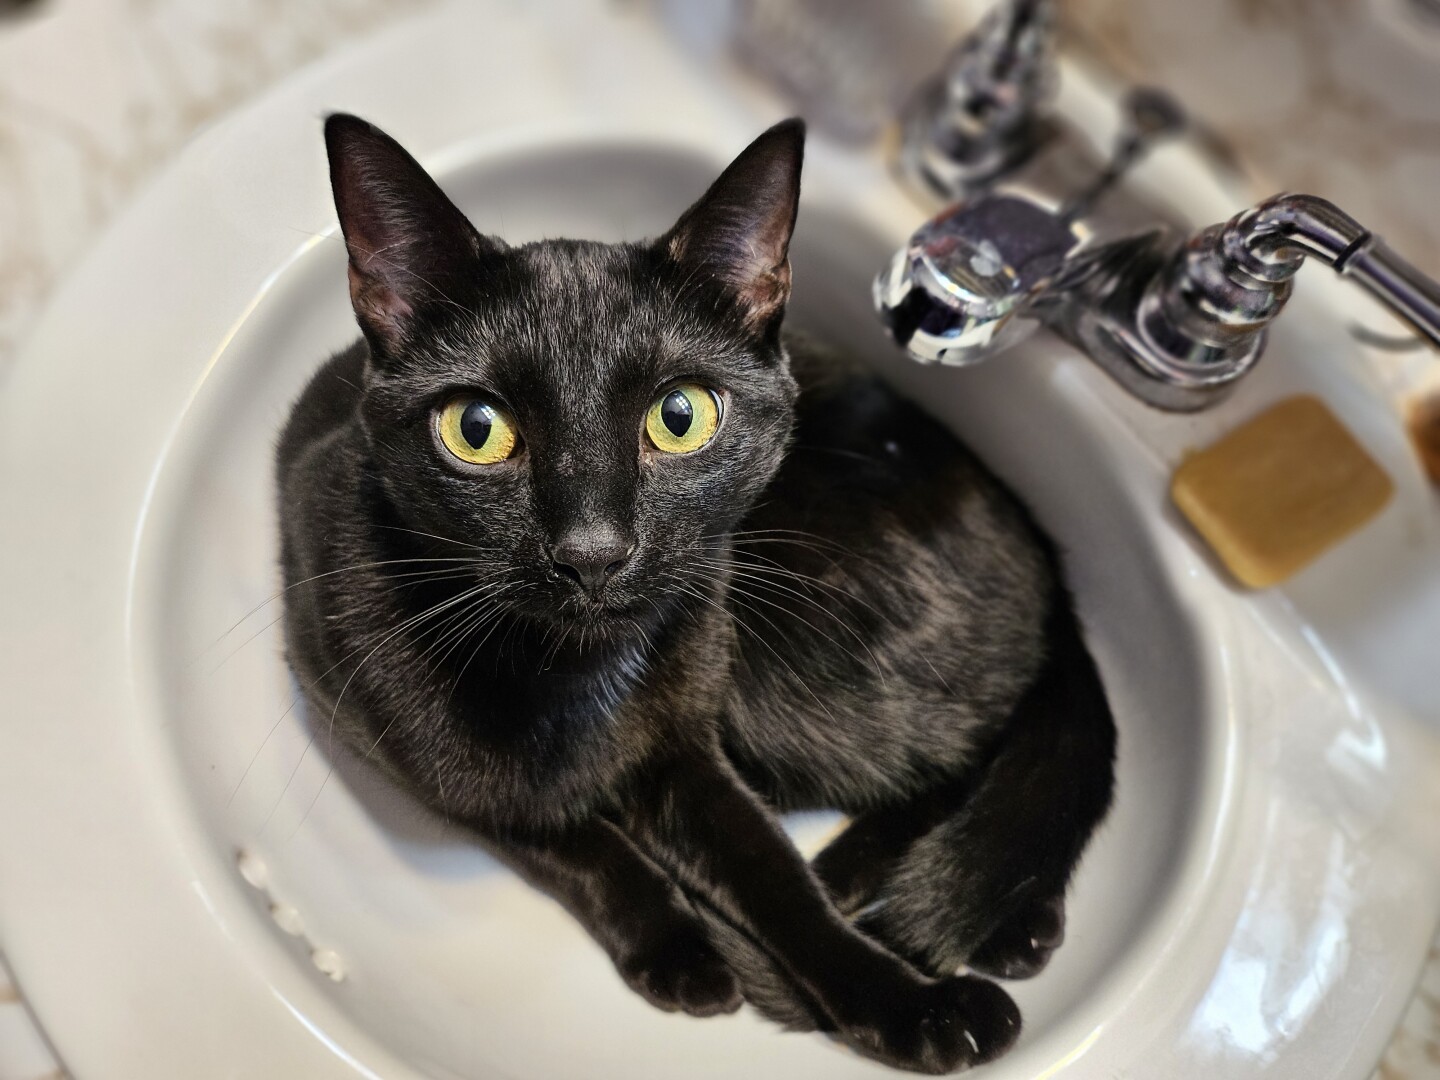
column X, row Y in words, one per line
column 1275, row 493
column 1424, row 423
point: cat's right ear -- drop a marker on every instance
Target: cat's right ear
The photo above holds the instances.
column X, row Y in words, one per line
column 412, row 251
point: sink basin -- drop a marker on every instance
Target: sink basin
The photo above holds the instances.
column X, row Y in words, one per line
column 188, row 880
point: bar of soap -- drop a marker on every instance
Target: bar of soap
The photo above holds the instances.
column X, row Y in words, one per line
column 1424, row 422
column 1277, row 492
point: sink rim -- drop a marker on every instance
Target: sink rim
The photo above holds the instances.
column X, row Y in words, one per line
column 51, row 955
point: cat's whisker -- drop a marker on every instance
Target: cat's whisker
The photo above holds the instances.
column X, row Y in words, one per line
column 798, row 536
column 852, row 598
column 479, row 621
column 421, row 577
column 755, row 572
column 743, row 541
column 659, row 615
column 408, row 624
column 831, row 553
column 494, row 623
column 788, row 667
column 440, row 789
column 754, row 583
column 305, row 581
column 779, row 567
column 848, row 596
column 740, row 623
column 295, row 699
column 469, row 620
column 436, row 536
column 743, row 565
column 386, row 729
column 555, row 649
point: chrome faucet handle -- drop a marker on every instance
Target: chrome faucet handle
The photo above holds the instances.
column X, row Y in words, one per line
column 965, row 284
column 1201, row 321
column 983, row 114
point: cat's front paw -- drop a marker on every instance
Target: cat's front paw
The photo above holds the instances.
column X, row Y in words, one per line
column 680, row 971
column 1021, row 946
column 939, row 1028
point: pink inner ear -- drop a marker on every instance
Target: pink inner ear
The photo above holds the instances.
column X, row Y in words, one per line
column 379, row 306
column 766, row 293
column 755, row 266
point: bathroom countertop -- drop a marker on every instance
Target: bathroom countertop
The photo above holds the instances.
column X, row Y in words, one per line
column 95, row 94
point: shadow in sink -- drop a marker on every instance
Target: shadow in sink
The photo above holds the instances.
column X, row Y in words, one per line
column 454, row 964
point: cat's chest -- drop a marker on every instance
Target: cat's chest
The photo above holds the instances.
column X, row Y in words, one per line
column 515, row 746
column 545, row 712
column 540, row 707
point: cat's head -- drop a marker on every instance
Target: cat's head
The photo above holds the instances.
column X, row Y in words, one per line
column 592, row 418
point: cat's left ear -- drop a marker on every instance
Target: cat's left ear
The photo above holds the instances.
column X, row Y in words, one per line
column 740, row 229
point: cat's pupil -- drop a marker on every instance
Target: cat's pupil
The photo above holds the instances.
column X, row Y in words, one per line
column 476, row 422
column 676, row 413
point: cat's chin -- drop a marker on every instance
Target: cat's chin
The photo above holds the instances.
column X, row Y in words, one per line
column 589, row 623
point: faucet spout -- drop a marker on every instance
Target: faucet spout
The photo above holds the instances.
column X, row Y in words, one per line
column 967, row 283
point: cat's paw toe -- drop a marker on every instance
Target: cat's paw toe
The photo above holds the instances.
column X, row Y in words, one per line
column 683, row 973
column 971, row 1021
column 945, row 1027
column 1021, row 947
column 986, row 1016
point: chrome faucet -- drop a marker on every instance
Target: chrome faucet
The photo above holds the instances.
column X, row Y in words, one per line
column 1038, row 237
column 984, row 115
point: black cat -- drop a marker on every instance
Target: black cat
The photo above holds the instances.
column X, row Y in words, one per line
column 595, row 564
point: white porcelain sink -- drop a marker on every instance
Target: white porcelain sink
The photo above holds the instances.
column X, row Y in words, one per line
column 183, row 883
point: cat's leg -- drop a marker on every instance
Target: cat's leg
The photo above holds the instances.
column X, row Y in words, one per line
column 854, row 865
column 986, row 885
column 715, row 835
column 1022, row 945
column 633, row 909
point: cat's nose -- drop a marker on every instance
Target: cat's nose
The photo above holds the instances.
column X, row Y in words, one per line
column 592, row 556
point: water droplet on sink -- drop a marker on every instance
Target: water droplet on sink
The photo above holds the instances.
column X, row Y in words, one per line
column 329, row 964
column 252, row 868
column 287, row 918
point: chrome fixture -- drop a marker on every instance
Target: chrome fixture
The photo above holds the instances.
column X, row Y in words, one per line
column 1038, row 238
column 982, row 116
column 1198, row 323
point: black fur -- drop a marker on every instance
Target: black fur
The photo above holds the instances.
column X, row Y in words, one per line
column 832, row 603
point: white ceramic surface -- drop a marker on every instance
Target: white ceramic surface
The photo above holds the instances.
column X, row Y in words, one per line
column 185, row 882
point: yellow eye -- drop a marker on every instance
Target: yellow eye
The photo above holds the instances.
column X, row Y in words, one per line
column 476, row 431
column 683, row 419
